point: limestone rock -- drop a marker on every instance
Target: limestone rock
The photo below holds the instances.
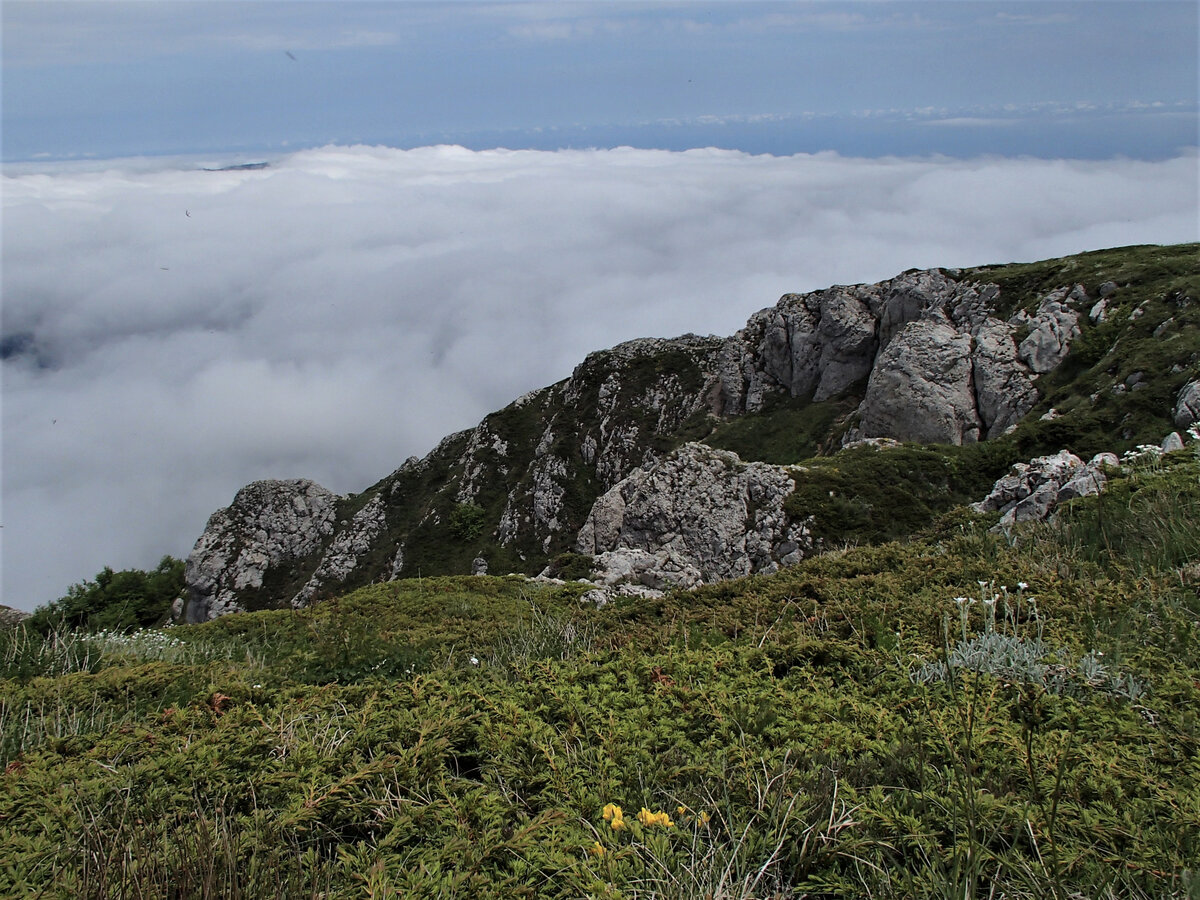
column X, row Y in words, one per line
column 341, row 558
column 1187, row 406
column 1032, row 491
column 920, row 389
column 1051, row 330
column 1004, row 390
column 697, row 515
column 270, row 525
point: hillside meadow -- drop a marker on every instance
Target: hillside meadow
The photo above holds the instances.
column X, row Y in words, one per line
column 965, row 714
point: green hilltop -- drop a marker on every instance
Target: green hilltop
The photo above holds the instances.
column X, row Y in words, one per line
column 931, row 707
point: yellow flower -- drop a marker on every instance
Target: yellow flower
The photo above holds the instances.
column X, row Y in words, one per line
column 617, row 823
column 704, row 818
column 648, row 818
column 611, row 811
column 597, row 850
column 681, row 811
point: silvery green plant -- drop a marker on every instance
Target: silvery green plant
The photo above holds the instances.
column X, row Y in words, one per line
column 1143, row 458
column 1011, row 647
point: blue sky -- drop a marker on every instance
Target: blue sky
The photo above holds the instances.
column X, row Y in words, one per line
column 1073, row 79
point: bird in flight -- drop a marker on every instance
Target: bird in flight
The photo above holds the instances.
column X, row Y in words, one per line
column 187, row 213
column 289, row 55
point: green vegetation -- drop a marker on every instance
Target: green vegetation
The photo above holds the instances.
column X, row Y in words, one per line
column 850, row 727
column 132, row 598
column 467, row 521
column 1151, row 327
column 869, row 495
column 786, row 431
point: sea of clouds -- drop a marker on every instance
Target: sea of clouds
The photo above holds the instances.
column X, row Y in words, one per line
column 172, row 333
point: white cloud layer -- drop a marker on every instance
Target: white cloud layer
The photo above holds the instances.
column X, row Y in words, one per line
column 174, row 333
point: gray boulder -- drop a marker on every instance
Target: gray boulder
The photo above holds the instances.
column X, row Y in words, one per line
column 698, row 515
column 1032, row 491
column 1187, row 406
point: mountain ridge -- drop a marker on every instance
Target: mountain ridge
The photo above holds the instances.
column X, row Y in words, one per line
column 940, row 357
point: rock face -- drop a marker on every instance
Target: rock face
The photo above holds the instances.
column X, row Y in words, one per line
column 927, row 357
column 270, row 526
column 698, row 515
column 344, row 552
column 922, row 388
column 950, row 370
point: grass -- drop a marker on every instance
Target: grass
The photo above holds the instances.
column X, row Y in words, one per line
column 869, row 495
column 786, row 432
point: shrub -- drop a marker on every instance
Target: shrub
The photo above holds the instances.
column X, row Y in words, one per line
column 131, row 598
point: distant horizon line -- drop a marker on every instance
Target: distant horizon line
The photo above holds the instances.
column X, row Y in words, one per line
column 868, row 133
column 249, row 157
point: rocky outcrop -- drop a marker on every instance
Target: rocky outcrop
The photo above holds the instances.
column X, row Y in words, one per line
column 342, row 557
column 1033, row 490
column 270, row 526
column 939, row 364
column 1051, row 329
column 952, row 371
column 926, row 356
column 1003, row 388
column 698, row 515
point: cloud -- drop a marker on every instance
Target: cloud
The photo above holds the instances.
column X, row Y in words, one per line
column 1056, row 18
column 172, row 333
column 971, row 122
